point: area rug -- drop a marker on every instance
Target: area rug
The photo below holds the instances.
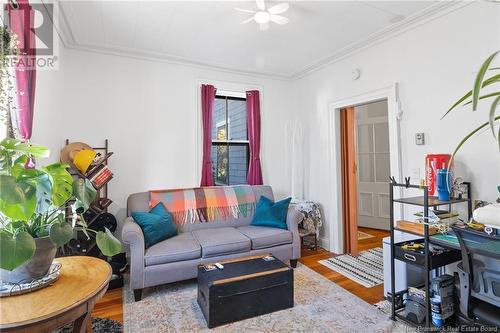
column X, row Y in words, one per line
column 320, row 306
column 103, row 325
column 384, row 306
column 366, row 269
column 363, row 235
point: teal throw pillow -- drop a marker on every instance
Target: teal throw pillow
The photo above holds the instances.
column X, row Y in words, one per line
column 157, row 225
column 271, row 214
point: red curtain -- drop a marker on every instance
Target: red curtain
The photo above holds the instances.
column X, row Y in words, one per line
column 22, row 21
column 207, row 108
column 253, row 123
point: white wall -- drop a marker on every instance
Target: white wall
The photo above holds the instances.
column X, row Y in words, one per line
column 434, row 64
column 150, row 113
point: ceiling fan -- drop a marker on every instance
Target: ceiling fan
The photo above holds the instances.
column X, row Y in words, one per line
column 263, row 16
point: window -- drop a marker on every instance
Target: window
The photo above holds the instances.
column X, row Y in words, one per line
column 230, row 149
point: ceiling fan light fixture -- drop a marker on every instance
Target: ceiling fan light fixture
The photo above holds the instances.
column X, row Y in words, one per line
column 262, row 17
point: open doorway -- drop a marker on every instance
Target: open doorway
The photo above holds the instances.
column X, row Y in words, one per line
column 366, row 165
column 373, row 164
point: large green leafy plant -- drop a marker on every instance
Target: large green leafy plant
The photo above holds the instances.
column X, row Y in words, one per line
column 477, row 93
column 33, row 204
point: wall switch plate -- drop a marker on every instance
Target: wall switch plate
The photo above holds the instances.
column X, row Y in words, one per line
column 419, row 139
column 415, row 174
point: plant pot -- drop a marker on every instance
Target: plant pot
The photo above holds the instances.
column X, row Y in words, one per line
column 37, row 267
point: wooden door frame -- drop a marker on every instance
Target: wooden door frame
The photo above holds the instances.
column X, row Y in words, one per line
column 334, row 210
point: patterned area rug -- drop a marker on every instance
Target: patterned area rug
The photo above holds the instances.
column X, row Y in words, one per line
column 363, row 235
column 320, row 306
column 99, row 325
column 366, row 269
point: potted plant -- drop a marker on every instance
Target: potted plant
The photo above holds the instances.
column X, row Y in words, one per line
column 33, row 219
column 474, row 96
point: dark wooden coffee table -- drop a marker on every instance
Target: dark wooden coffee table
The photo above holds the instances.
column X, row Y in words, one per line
column 245, row 288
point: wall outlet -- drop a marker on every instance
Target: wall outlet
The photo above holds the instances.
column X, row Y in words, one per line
column 419, row 139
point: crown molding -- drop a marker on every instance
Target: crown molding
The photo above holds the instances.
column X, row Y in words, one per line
column 427, row 15
column 430, row 13
column 161, row 57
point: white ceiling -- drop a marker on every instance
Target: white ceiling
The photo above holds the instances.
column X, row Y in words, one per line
column 209, row 33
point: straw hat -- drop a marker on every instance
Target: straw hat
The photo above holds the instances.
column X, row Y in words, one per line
column 69, row 152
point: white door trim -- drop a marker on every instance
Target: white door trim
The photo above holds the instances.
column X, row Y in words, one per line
column 391, row 94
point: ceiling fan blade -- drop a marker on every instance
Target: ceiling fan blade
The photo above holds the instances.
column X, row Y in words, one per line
column 245, row 10
column 261, row 4
column 279, row 8
column 264, row 26
column 247, row 20
column 279, row 19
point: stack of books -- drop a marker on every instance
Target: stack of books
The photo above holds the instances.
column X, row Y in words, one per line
column 101, row 177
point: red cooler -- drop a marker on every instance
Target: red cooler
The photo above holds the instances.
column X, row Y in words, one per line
column 433, row 162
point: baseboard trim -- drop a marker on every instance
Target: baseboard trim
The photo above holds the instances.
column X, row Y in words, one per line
column 324, row 243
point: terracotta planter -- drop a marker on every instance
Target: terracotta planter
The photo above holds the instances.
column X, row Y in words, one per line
column 37, row 267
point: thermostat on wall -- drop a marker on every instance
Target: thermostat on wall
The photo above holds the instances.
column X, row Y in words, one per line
column 419, row 139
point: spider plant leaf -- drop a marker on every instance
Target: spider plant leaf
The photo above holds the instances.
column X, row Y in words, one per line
column 498, row 139
column 479, row 79
column 487, row 82
column 485, row 97
column 457, row 103
column 493, row 110
column 467, row 137
column 493, row 79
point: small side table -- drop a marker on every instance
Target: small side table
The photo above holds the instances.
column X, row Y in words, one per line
column 312, row 222
column 82, row 282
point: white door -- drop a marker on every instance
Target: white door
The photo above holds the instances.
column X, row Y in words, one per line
column 373, row 165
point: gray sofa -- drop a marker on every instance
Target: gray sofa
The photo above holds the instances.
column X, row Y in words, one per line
column 178, row 258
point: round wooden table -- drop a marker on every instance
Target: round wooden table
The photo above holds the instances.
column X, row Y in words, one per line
column 83, row 281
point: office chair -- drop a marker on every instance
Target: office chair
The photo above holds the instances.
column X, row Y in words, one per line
column 479, row 276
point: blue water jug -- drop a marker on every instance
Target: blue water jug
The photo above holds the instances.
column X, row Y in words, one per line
column 443, row 184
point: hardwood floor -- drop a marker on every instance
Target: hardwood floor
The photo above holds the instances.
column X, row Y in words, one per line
column 372, row 295
column 110, row 306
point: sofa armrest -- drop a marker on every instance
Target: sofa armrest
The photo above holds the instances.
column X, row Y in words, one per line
column 132, row 235
column 293, row 218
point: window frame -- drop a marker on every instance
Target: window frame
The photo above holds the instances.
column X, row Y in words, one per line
column 230, row 143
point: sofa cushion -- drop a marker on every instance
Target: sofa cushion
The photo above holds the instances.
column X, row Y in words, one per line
column 264, row 237
column 178, row 248
column 157, row 225
column 221, row 241
column 271, row 214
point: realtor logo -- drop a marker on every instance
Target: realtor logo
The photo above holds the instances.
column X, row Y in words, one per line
column 44, row 29
column 35, row 27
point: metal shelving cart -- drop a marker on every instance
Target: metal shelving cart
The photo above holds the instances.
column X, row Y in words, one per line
column 430, row 263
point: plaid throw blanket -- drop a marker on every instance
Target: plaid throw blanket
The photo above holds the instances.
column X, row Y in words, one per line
column 206, row 204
